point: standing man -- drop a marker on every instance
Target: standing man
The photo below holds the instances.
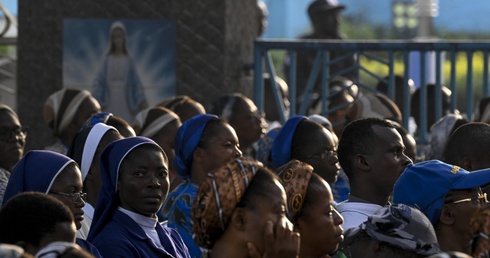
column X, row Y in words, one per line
column 371, row 152
column 12, row 144
column 325, row 19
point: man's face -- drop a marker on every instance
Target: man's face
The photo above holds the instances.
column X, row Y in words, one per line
column 328, row 23
column 464, row 204
column 387, row 158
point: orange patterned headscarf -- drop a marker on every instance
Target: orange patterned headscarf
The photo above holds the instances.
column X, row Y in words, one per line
column 295, row 177
column 218, row 196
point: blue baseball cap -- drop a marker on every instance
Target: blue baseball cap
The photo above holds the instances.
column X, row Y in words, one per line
column 424, row 185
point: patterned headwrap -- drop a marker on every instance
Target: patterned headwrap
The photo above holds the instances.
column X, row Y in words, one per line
column 35, row 172
column 186, row 142
column 264, row 146
column 439, row 135
column 281, row 148
column 85, row 145
column 151, row 120
column 400, row 226
column 295, row 177
column 61, row 107
column 480, row 230
column 218, row 196
column 110, row 163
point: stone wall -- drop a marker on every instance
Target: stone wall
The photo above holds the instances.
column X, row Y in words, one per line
column 214, row 43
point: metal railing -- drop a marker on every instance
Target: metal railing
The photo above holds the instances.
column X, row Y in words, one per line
column 391, row 52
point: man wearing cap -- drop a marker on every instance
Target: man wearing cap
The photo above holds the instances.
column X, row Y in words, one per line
column 371, row 152
column 325, row 19
column 448, row 195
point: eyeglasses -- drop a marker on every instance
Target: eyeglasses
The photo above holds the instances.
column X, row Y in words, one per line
column 100, row 117
column 323, row 155
column 480, row 199
column 7, row 133
column 75, row 197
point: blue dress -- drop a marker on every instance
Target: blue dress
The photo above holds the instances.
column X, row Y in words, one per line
column 177, row 210
column 123, row 237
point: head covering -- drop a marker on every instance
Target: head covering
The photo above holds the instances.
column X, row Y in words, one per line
column 61, row 107
column 264, row 146
column 151, row 120
column 7, row 108
column 439, row 135
column 11, row 251
column 321, row 120
column 99, row 117
column 35, row 172
column 218, row 195
column 85, row 145
column 424, row 185
column 55, row 249
column 186, row 142
column 322, row 6
column 400, row 226
column 110, row 162
column 295, row 177
column 374, row 105
column 281, row 148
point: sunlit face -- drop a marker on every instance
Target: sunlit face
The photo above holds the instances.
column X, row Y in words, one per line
column 248, row 123
column 321, row 154
column 387, row 159
column 87, row 108
column 222, row 148
column 11, row 148
column 143, row 180
column 320, row 224
column 270, row 208
column 69, row 181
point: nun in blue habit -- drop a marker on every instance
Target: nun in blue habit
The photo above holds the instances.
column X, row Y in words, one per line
column 135, row 183
column 55, row 174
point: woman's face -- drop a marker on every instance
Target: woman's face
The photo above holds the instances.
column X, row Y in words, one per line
column 249, row 124
column 222, row 148
column 69, row 181
column 267, row 208
column 321, row 153
column 320, row 224
column 143, row 180
column 166, row 138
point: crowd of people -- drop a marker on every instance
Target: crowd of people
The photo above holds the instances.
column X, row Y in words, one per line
column 222, row 179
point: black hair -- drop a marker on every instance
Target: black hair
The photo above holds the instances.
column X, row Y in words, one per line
column 260, row 186
column 358, row 137
column 468, row 140
column 30, row 216
column 120, row 124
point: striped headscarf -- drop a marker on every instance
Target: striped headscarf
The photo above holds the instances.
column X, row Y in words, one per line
column 61, row 107
column 151, row 120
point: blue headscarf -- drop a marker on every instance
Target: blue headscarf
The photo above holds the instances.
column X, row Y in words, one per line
column 264, row 146
column 186, row 142
column 281, row 147
column 110, row 162
column 35, row 172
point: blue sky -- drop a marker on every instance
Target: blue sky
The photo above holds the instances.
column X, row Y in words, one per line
column 11, row 5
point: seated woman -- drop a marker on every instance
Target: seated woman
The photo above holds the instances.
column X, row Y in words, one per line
column 160, row 124
column 310, row 209
column 54, row 174
column 240, row 211
column 135, row 183
column 86, row 148
column 203, row 143
column 309, row 142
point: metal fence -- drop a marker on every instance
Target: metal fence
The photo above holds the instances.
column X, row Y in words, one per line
column 386, row 53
